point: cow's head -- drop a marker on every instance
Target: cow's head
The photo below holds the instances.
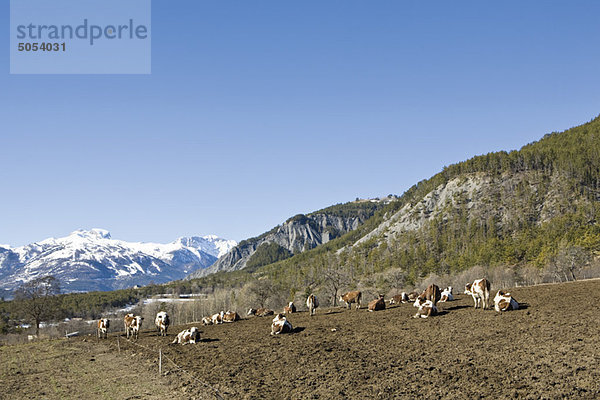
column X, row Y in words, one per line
column 468, row 288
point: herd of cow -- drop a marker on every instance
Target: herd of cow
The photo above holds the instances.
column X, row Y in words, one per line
column 426, row 304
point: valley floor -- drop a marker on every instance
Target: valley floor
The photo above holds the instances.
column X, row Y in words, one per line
column 550, row 349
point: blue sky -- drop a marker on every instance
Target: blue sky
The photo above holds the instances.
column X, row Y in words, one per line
column 257, row 111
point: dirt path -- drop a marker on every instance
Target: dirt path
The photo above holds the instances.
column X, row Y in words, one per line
column 550, row 349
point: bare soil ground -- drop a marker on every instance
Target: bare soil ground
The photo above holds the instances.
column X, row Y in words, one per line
column 550, row 349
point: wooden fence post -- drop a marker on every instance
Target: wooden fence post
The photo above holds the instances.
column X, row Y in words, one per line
column 160, row 362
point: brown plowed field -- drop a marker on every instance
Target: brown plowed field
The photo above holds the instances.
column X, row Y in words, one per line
column 550, row 349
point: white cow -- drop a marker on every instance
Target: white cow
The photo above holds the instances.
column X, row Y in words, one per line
column 447, row 295
column 312, row 303
column 188, row 336
column 162, row 323
column 505, row 302
column 102, row 330
column 280, row 325
column 426, row 308
column 480, row 291
column 133, row 324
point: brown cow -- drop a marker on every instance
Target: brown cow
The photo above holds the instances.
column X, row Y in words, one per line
column 231, row 316
column 351, row 297
column 431, row 293
column 377, row 304
column 260, row 312
column 412, row 296
column 399, row 298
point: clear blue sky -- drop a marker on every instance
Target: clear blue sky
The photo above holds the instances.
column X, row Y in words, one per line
column 257, row 111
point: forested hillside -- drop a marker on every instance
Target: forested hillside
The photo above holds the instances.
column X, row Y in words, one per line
column 535, row 208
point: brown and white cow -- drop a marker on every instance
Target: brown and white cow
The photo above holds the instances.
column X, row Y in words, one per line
column 503, row 301
column 207, row 321
column 231, row 316
column 312, row 303
column 431, row 293
column 290, row 308
column 480, row 291
column 412, row 296
column 217, row 318
column 102, row 329
column 377, row 304
column 351, row 297
column 426, row 308
column 162, row 323
column 447, row 295
column 188, row 336
column 280, row 325
column 133, row 324
column 260, row 312
column 399, row 298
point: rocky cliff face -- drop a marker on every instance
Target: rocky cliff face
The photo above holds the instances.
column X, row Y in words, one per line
column 297, row 234
column 507, row 201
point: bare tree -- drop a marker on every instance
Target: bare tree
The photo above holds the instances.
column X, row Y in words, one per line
column 335, row 277
column 570, row 260
column 36, row 299
column 260, row 291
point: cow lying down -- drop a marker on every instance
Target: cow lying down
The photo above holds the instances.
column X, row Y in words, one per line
column 280, row 325
column 505, row 302
column 188, row 336
column 426, row 308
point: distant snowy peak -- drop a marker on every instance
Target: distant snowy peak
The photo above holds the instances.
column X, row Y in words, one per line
column 91, row 260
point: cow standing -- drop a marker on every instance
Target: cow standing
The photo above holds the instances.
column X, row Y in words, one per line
column 480, row 291
column 162, row 323
column 312, row 303
column 133, row 324
column 102, row 329
column 432, row 293
column 351, row 297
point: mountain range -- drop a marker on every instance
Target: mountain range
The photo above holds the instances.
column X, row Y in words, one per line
column 88, row 260
column 531, row 213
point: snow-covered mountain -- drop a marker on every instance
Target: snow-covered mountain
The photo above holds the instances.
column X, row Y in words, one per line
column 89, row 260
